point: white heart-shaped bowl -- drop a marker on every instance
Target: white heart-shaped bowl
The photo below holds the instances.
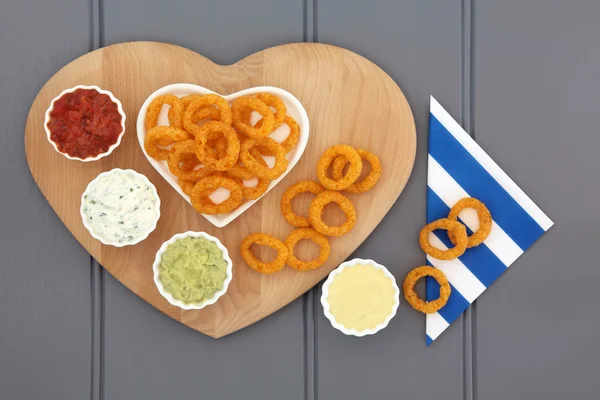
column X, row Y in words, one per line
column 294, row 109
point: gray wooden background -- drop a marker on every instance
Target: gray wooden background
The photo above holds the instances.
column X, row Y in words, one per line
column 521, row 76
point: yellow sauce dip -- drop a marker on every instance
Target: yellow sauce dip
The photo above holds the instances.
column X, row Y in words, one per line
column 361, row 297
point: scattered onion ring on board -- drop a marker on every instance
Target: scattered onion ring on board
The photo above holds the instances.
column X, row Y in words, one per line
column 316, row 237
column 233, row 145
column 408, row 287
column 315, row 213
column 263, row 239
column 268, row 120
column 327, row 158
column 267, row 146
column 366, row 184
column 483, row 214
column 291, row 192
column 162, row 134
column 175, row 118
column 209, row 184
column 201, row 102
column 456, row 228
column 177, row 154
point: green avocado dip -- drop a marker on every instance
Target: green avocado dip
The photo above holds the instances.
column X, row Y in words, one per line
column 192, row 269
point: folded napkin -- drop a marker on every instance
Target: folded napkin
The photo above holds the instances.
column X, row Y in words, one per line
column 457, row 168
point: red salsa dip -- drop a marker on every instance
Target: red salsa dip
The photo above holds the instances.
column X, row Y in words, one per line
column 84, row 123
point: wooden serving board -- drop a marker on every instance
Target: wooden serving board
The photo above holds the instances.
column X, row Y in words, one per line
column 348, row 99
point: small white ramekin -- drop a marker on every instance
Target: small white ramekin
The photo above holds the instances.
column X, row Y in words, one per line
column 179, row 303
column 71, row 90
column 325, row 295
column 156, row 207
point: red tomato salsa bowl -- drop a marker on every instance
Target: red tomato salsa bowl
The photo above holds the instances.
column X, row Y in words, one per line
column 85, row 123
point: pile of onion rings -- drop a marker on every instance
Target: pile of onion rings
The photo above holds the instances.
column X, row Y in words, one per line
column 209, row 138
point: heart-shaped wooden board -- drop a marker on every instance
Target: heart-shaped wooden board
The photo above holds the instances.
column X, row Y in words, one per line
column 348, row 99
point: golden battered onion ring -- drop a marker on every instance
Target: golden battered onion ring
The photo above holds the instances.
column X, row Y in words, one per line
column 408, row 287
column 366, row 184
column 153, row 110
column 189, row 162
column 273, row 101
column 208, row 100
column 233, row 146
column 294, row 136
column 251, row 193
column 291, row 192
column 164, row 134
column 316, row 237
column 186, row 186
column 176, row 155
column 209, row 184
column 454, row 227
column 353, row 171
column 267, row 146
column 243, row 125
column 483, row 214
column 315, row 213
column 263, row 239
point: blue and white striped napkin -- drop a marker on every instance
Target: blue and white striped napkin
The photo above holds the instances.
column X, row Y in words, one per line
column 458, row 168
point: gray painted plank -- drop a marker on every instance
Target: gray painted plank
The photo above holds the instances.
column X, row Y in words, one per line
column 536, row 110
column 146, row 354
column 44, row 273
column 421, row 50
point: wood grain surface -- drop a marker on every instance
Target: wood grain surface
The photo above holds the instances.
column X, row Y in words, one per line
column 348, row 100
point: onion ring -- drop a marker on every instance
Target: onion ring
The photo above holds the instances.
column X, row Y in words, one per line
column 207, row 100
column 273, row 101
column 485, row 220
column 233, row 146
column 209, row 184
column 263, row 239
column 267, row 146
column 243, row 125
column 176, row 156
column 315, row 213
column 365, row 184
column 251, row 193
column 294, row 136
column 164, row 134
column 175, row 117
column 291, row 192
column 456, row 228
column 186, row 186
column 408, row 287
column 327, row 158
column 316, row 237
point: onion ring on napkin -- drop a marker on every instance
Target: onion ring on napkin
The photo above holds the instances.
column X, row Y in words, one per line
column 315, row 213
column 326, row 160
column 454, row 227
column 316, row 237
column 408, row 287
column 485, row 220
column 263, row 239
column 291, row 192
column 364, row 185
